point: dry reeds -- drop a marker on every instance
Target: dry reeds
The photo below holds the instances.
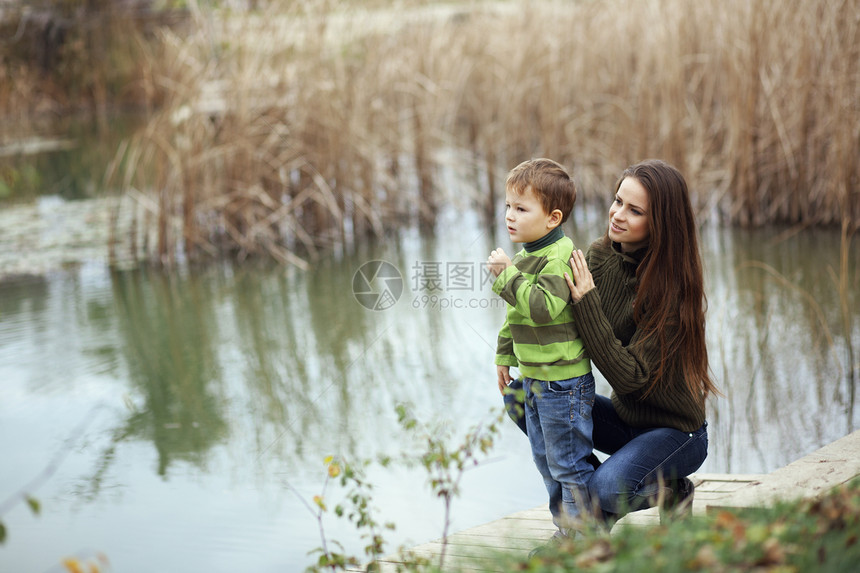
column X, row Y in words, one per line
column 60, row 55
column 287, row 131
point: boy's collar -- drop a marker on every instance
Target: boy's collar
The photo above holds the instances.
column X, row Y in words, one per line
column 547, row 239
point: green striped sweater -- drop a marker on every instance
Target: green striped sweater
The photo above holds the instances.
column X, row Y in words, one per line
column 539, row 335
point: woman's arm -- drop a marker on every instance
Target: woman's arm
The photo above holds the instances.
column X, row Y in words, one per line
column 625, row 367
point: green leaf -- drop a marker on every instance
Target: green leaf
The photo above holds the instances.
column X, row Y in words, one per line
column 34, row 504
column 2, row 533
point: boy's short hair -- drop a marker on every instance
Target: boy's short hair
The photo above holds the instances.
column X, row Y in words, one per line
column 548, row 180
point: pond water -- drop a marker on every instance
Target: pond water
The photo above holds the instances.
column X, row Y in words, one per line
column 181, row 421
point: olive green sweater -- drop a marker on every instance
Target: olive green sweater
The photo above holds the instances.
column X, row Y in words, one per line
column 604, row 317
column 539, row 335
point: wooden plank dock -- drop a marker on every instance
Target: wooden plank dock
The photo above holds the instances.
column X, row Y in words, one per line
column 810, row 476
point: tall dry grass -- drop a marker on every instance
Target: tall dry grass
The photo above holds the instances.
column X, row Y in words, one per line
column 58, row 56
column 288, row 129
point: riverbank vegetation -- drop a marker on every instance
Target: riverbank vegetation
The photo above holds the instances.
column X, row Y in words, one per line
column 800, row 535
column 72, row 56
column 791, row 535
column 283, row 128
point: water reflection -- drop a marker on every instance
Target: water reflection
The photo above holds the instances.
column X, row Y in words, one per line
column 240, row 379
column 167, row 334
column 776, row 344
column 75, row 169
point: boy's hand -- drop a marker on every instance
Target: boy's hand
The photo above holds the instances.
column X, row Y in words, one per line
column 504, row 374
column 498, row 261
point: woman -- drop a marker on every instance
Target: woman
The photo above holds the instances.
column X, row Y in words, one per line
column 639, row 303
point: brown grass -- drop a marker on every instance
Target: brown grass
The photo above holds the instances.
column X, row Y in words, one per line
column 58, row 56
column 284, row 132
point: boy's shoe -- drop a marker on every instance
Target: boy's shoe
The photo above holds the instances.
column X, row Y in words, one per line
column 679, row 504
column 550, row 546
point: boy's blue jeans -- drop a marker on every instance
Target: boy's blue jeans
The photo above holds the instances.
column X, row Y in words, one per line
column 559, row 424
column 641, row 462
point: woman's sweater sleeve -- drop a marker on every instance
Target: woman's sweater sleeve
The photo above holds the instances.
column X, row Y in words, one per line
column 624, row 367
column 626, row 358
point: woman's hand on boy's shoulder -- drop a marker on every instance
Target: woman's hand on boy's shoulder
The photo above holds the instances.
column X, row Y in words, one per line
column 582, row 281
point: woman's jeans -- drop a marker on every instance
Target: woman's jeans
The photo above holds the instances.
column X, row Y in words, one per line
column 643, row 463
column 558, row 423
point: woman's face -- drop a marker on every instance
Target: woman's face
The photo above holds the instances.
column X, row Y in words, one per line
column 628, row 221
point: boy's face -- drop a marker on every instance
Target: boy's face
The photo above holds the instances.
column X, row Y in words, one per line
column 526, row 218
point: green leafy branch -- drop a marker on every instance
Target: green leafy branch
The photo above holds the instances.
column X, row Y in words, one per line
column 356, row 508
column 446, row 465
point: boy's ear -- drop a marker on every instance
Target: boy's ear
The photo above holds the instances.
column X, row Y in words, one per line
column 554, row 219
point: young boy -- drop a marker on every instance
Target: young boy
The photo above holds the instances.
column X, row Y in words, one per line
column 540, row 338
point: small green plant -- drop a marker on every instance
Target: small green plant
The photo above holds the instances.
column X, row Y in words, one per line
column 356, row 507
column 445, row 466
column 33, row 503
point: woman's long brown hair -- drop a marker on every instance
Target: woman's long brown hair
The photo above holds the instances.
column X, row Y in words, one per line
column 670, row 298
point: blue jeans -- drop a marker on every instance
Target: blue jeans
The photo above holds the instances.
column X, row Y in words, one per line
column 559, row 425
column 641, row 461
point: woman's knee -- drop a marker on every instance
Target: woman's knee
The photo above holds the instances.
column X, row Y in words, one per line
column 615, row 494
column 608, row 489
